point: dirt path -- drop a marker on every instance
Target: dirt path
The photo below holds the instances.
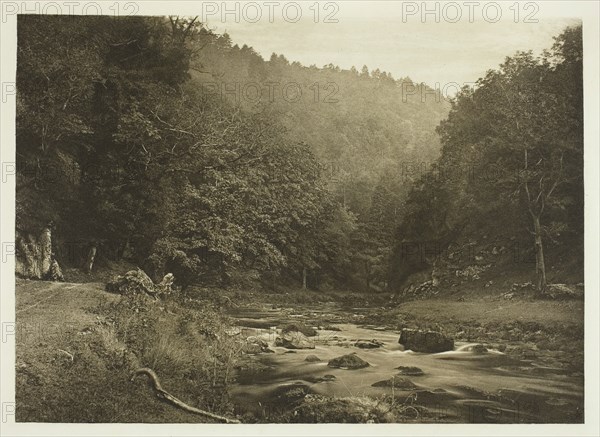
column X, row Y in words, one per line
column 50, row 309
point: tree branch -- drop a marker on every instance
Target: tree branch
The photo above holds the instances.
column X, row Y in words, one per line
column 163, row 394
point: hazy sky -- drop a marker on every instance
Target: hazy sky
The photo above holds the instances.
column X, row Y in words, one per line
column 373, row 33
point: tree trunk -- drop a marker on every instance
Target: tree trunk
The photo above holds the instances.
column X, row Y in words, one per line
column 45, row 250
column 304, row 278
column 540, row 265
column 91, row 256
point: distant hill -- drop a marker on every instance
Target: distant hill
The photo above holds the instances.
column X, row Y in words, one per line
column 360, row 124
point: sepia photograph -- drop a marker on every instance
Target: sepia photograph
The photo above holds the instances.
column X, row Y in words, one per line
column 241, row 213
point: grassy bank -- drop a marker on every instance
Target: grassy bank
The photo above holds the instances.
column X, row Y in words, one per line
column 77, row 346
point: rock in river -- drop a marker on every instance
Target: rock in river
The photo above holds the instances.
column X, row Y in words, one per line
column 350, row 361
column 368, row 344
column 397, row 382
column 312, row 358
column 299, row 327
column 410, row 371
column 294, row 340
column 425, row 341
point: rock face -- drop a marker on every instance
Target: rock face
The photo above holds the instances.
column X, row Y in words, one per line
column 425, row 341
column 33, row 254
column 294, row 340
column 350, row 361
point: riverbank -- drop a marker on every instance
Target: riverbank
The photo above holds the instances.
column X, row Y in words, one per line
column 77, row 346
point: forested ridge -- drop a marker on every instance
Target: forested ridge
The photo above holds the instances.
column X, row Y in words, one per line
column 144, row 137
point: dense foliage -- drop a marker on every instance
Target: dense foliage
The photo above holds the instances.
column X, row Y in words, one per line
column 511, row 160
column 124, row 144
column 161, row 142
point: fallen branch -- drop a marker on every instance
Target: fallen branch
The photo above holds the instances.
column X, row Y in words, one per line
column 163, row 394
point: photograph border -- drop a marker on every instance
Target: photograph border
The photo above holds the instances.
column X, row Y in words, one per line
column 588, row 11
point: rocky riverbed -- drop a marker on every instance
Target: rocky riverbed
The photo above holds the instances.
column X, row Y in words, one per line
column 325, row 379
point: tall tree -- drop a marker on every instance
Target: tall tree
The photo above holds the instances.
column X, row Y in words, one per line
column 523, row 123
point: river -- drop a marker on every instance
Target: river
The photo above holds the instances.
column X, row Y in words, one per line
column 462, row 386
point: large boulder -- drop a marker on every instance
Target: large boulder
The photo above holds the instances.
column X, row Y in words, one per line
column 294, row 340
column 425, row 341
column 350, row 361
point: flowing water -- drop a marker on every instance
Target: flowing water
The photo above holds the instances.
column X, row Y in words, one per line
column 456, row 386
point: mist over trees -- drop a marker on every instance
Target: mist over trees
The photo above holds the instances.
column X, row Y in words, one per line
column 163, row 143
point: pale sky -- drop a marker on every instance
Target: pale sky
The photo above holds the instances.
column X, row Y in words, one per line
column 373, row 33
